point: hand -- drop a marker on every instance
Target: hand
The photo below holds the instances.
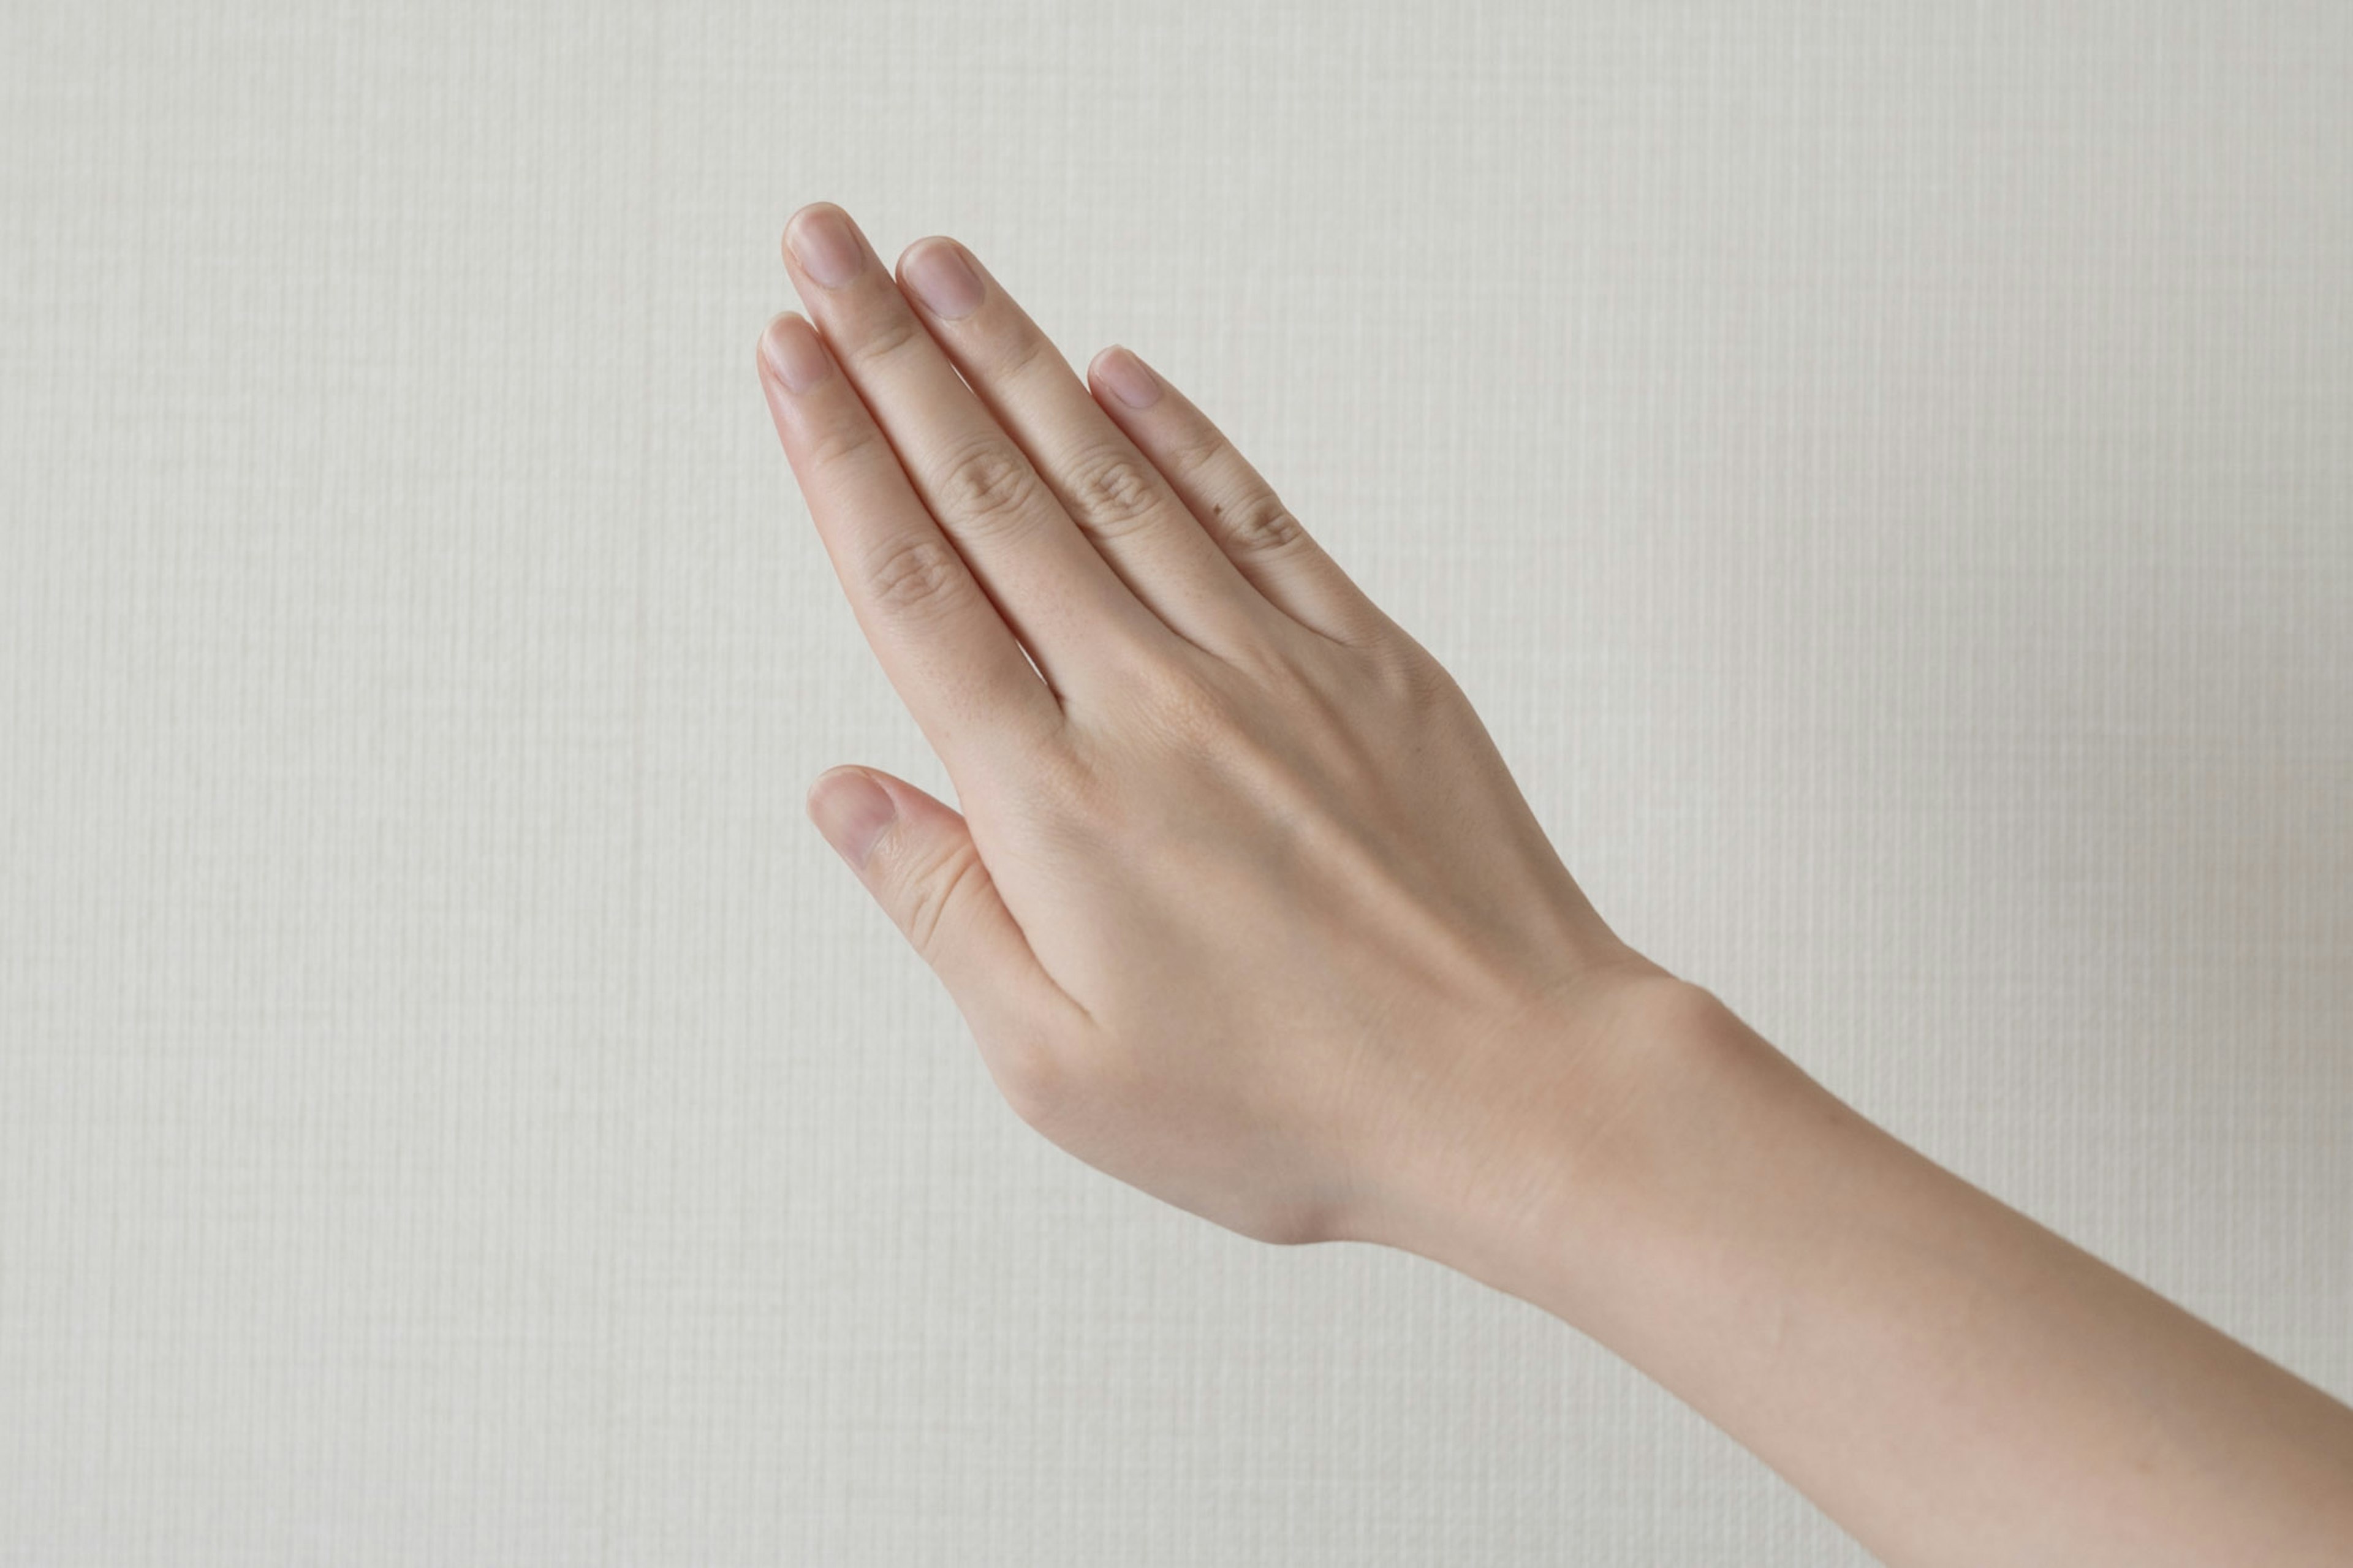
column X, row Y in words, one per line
column 1243, row 907
column 1245, row 910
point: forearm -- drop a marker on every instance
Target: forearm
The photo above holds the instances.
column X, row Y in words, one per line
column 1948, row 1380
column 1244, row 908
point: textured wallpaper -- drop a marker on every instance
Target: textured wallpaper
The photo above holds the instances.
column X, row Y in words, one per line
column 1884, row 474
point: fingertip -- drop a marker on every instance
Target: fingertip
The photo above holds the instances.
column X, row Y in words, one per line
column 899, row 267
column 760, row 345
column 784, row 234
column 851, row 810
column 824, row 781
column 792, row 355
column 1122, row 372
column 938, row 274
column 829, row 780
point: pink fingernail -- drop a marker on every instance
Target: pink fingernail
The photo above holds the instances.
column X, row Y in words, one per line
column 1130, row 380
column 938, row 275
column 853, row 812
column 793, row 354
column 823, row 242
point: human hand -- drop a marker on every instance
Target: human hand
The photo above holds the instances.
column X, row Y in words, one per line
column 1243, row 907
column 1245, row 910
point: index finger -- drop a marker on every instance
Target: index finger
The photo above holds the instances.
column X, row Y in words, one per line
column 947, row 652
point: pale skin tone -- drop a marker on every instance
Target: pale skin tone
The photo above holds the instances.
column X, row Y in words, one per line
column 1244, row 909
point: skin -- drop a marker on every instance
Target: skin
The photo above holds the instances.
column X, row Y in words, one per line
column 1244, row 909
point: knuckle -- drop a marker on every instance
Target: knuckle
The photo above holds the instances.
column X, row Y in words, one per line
column 1259, row 524
column 888, row 333
column 1194, row 449
column 1111, row 492
column 1019, row 353
column 844, row 441
column 917, row 575
column 937, row 887
column 989, row 485
column 1411, row 677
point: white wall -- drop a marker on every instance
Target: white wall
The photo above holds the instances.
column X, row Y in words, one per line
column 1884, row 473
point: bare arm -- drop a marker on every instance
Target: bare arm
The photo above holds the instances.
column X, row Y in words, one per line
column 1244, row 909
column 1948, row 1380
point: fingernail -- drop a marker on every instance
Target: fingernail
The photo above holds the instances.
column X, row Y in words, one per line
column 823, row 242
column 792, row 354
column 852, row 811
column 1130, row 380
column 937, row 274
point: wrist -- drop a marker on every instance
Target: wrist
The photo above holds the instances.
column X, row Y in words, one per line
column 1600, row 1103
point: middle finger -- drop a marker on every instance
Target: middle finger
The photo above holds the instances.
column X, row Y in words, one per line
column 1123, row 503
column 1058, row 595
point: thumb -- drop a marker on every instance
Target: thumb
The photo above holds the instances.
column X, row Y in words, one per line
column 917, row 856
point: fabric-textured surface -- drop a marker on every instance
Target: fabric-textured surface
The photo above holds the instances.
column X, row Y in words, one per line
column 1885, row 475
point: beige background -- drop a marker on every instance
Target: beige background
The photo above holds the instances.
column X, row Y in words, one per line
column 1884, row 473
